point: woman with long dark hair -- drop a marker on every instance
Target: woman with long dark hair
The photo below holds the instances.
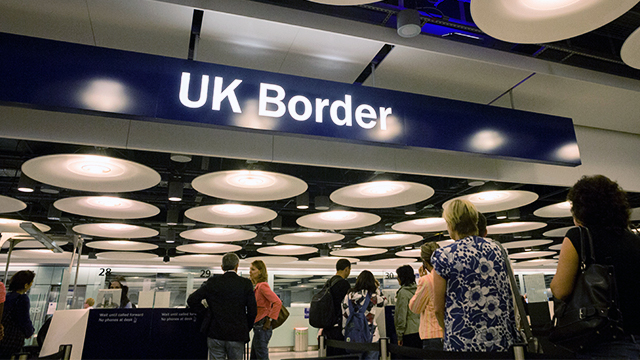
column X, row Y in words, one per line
column 15, row 318
column 407, row 323
column 269, row 305
column 601, row 206
column 366, row 284
column 125, row 303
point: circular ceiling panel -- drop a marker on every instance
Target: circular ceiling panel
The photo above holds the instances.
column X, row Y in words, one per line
column 249, row 185
column 414, row 253
column 531, row 254
column 498, row 200
column 326, row 260
column 107, row 207
column 91, row 173
column 114, row 230
column 514, row 227
column 558, row 210
column 358, row 251
column 270, row 260
column 9, row 204
column 635, row 214
column 555, row 247
column 630, row 51
column 198, row 258
column 125, row 255
column 208, row 248
column 394, row 261
column 544, row 21
column 338, row 220
column 287, row 250
column 421, row 225
column 308, row 238
column 296, row 276
column 31, row 244
column 121, row 245
column 535, row 262
column 381, row 194
column 344, row 2
column 447, row 242
column 34, row 254
column 218, row 234
column 389, row 240
column 230, row 214
column 13, row 226
column 526, row 243
column 560, row 232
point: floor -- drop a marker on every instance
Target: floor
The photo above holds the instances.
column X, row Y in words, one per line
column 279, row 355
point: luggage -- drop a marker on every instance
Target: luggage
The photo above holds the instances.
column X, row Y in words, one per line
column 322, row 313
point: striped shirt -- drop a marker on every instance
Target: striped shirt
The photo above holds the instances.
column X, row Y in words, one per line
column 422, row 303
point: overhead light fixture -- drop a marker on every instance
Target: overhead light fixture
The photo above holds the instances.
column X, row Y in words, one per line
column 302, row 201
column 257, row 243
column 408, row 24
column 501, row 215
column 410, row 209
column 40, row 236
column 47, row 189
column 276, row 224
column 166, row 257
column 173, row 215
column 181, row 158
column 322, row 202
column 513, row 214
column 175, row 191
column 26, row 184
column 475, row 183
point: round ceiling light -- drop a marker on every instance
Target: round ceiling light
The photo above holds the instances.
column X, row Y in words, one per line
column 91, row 173
column 121, row 245
column 421, row 225
column 562, row 209
column 218, row 234
column 331, row 260
column 544, row 21
column 249, row 185
column 358, row 251
column 31, row 244
column 294, row 276
column 126, row 255
column 209, row 260
column 270, row 260
column 531, row 254
column 630, row 52
column 498, row 200
column 230, row 214
column 560, row 232
column 337, row 220
column 514, row 227
column 208, row 248
column 389, row 240
column 107, row 207
column 13, row 226
column 381, row 194
column 414, row 253
column 526, row 243
column 635, row 214
column 535, row 263
column 41, row 254
column 308, row 238
column 556, row 247
column 287, row 250
column 114, row 230
column 394, row 261
column 9, row 204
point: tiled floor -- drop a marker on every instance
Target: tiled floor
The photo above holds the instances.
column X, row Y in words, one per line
column 273, row 355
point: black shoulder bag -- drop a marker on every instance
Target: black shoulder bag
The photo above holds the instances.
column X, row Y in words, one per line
column 591, row 314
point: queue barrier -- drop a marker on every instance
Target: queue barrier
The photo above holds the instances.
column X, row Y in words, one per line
column 386, row 349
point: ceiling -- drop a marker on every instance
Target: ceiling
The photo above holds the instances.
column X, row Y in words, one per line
column 582, row 78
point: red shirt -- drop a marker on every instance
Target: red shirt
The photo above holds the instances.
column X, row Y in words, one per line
column 269, row 303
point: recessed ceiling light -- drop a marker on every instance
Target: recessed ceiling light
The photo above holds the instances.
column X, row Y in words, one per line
column 338, row 219
column 498, row 200
column 249, row 185
column 230, row 214
column 514, row 227
column 562, row 209
column 114, row 230
column 308, row 238
column 421, row 225
column 8, row 204
column 381, row 194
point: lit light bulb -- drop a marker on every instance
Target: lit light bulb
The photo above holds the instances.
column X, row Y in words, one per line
column 117, row 226
column 232, row 209
column 218, row 231
column 381, row 188
column 106, row 201
column 338, row 215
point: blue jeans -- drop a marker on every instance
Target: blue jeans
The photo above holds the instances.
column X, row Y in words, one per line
column 625, row 349
column 222, row 350
column 432, row 344
column 260, row 343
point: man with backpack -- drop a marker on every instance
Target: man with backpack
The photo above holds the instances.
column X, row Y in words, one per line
column 331, row 323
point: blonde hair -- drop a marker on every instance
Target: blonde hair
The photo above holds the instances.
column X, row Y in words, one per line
column 262, row 268
column 426, row 250
column 462, row 217
column 90, row 301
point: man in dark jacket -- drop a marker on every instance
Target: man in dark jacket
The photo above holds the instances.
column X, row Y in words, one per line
column 339, row 287
column 233, row 304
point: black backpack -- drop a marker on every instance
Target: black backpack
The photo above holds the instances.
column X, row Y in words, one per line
column 322, row 311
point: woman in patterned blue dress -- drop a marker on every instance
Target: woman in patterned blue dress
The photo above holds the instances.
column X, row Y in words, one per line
column 472, row 293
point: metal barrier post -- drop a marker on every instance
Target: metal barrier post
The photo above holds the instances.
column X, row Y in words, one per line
column 384, row 349
column 322, row 349
column 67, row 351
column 518, row 352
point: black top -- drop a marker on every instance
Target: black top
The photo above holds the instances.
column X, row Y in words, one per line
column 338, row 291
column 620, row 248
column 233, row 304
column 17, row 305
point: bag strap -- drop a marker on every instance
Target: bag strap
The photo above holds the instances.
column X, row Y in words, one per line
column 520, row 314
column 584, row 244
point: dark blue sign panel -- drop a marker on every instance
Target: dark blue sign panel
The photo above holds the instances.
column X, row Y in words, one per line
column 143, row 334
column 71, row 77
